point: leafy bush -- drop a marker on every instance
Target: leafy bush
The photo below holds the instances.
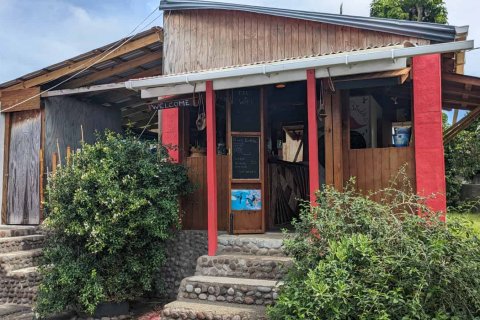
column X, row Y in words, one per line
column 358, row 259
column 109, row 214
column 461, row 163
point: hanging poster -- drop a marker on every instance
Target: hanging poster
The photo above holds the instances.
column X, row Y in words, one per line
column 246, row 200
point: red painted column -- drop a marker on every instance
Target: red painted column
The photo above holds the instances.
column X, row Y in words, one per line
column 312, row 135
column 211, row 169
column 170, row 132
column 427, row 130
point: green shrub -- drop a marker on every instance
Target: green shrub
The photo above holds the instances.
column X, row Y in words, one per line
column 358, row 259
column 109, row 214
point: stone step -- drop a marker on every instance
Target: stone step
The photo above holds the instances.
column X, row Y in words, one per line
column 13, row 311
column 212, row 310
column 227, row 289
column 20, row 286
column 17, row 231
column 269, row 244
column 12, row 244
column 23, row 316
column 244, row 266
column 19, row 259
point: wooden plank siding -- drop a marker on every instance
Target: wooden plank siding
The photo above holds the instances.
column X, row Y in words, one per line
column 194, row 206
column 374, row 169
column 23, row 198
column 204, row 39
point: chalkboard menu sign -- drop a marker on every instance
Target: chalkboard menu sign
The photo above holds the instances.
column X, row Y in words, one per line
column 246, row 157
column 246, row 110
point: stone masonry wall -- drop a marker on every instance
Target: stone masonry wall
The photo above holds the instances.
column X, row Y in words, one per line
column 182, row 253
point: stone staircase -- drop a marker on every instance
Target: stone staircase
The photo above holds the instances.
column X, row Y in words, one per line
column 20, row 251
column 236, row 284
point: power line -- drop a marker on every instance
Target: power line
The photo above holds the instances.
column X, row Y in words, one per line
column 106, row 53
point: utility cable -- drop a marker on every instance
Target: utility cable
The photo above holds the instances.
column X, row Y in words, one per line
column 105, row 54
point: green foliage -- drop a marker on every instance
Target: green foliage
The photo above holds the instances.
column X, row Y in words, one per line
column 414, row 10
column 109, row 214
column 462, row 162
column 358, row 259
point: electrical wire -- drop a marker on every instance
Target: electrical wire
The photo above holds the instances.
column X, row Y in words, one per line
column 148, row 123
column 105, row 54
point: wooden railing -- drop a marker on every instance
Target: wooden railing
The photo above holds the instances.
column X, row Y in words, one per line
column 374, row 169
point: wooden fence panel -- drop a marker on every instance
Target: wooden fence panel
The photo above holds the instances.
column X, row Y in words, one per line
column 374, row 169
column 194, row 206
column 23, row 199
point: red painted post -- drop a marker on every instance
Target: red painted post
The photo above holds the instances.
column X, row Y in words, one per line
column 427, row 130
column 211, row 169
column 312, row 135
column 170, row 132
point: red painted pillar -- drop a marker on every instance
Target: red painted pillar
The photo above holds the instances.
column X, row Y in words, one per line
column 211, row 169
column 312, row 135
column 427, row 130
column 170, row 132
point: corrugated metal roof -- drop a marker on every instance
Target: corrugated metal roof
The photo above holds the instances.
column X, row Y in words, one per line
column 430, row 31
column 363, row 50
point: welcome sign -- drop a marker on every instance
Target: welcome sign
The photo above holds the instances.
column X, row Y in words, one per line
column 170, row 104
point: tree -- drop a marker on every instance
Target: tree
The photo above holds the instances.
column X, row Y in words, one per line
column 461, row 160
column 413, row 10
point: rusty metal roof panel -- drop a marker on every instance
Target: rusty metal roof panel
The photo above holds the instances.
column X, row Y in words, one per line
column 429, row 31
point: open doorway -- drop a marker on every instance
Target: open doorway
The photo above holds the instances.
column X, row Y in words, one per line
column 287, row 150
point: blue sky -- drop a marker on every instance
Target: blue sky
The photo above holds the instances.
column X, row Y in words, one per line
column 38, row 33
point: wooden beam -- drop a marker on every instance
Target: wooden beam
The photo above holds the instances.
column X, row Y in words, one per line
column 80, row 65
column 6, row 159
column 457, row 78
column 109, row 72
column 9, row 99
column 461, row 125
column 313, row 166
column 99, row 88
column 460, row 101
column 211, row 170
column 458, row 92
column 337, row 141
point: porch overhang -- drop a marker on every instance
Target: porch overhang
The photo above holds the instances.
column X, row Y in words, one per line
column 333, row 65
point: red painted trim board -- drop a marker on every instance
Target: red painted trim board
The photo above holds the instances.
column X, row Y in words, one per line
column 427, row 130
column 312, row 135
column 170, row 132
column 211, row 169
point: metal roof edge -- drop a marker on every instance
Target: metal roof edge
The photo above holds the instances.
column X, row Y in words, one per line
column 430, row 31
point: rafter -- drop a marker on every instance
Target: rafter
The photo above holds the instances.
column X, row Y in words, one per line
column 461, row 125
column 108, row 72
column 77, row 66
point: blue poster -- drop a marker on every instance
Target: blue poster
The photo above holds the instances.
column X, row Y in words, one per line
column 250, row 200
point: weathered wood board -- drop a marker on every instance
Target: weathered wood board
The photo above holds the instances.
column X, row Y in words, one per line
column 204, row 39
column 64, row 119
column 23, row 200
column 27, row 99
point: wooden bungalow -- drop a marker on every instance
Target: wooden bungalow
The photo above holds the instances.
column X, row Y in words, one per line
column 264, row 106
column 44, row 116
column 286, row 101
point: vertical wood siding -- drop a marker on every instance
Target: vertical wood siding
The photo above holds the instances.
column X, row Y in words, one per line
column 194, row 206
column 204, row 39
column 374, row 169
column 63, row 121
column 23, row 200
